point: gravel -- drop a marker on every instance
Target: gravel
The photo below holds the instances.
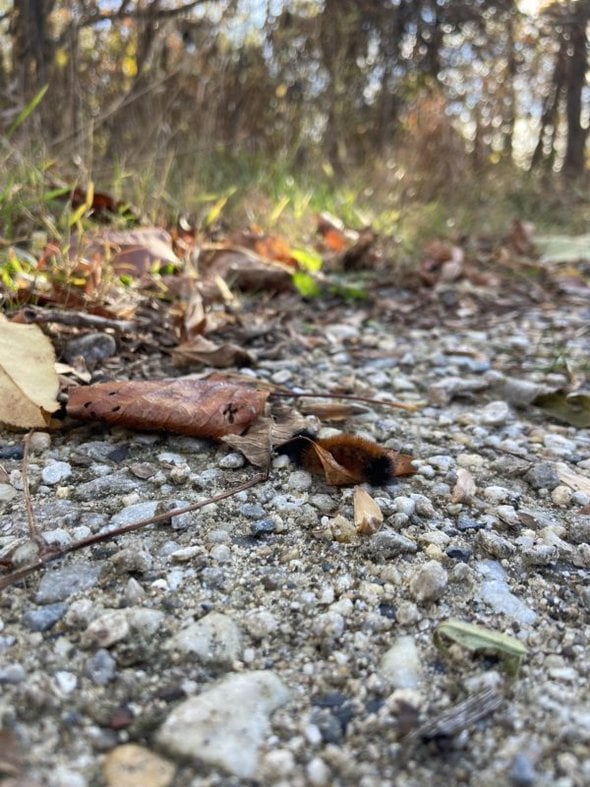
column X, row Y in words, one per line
column 261, row 640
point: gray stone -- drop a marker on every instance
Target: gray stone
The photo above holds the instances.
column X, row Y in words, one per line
column 429, row 582
column 101, row 667
column 58, row 584
column 44, row 618
column 214, row 639
column 12, row 673
column 543, row 475
column 226, row 724
column 495, row 592
column 56, row 473
column 387, row 544
column 134, row 513
column 93, row 347
column 494, row 414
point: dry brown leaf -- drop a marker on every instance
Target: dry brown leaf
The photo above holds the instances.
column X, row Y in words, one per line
column 255, row 445
column 28, row 381
column 132, row 252
column 402, row 464
column 368, row 517
column 195, row 319
column 465, row 487
column 200, row 350
column 243, row 269
column 334, row 473
column 186, row 405
column 10, row 754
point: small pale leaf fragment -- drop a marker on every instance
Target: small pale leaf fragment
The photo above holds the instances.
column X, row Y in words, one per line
column 464, row 489
column 480, row 639
column 368, row 517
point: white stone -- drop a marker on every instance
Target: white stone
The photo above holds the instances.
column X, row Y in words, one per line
column 400, row 666
column 214, row 639
column 226, row 724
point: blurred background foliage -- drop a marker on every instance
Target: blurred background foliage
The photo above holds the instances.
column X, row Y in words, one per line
column 402, row 102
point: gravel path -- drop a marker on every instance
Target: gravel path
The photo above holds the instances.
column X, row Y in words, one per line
column 261, row 640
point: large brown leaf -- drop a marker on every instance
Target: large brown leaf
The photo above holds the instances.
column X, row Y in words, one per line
column 199, row 408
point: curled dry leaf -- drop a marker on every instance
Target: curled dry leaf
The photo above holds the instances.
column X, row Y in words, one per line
column 200, row 350
column 188, row 406
column 368, row 517
column 464, row 489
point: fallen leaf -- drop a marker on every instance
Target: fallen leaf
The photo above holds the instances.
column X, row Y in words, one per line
column 243, row 269
column 186, row 405
column 572, row 408
column 580, row 483
column 28, row 381
column 204, row 351
column 368, row 517
column 132, row 252
column 481, row 639
column 464, row 489
column 11, row 763
column 463, row 716
column 255, row 445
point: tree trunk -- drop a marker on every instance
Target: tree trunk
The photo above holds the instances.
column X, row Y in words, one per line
column 574, row 161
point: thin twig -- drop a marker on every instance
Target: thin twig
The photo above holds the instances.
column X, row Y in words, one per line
column 33, row 314
column 33, row 529
column 411, row 406
column 53, row 553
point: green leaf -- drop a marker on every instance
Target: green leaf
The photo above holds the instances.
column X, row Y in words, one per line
column 217, row 208
column 282, row 204
column 478, row 638
column 309, row 260
column 26, row 111
column 306, row 285
column 573, row 408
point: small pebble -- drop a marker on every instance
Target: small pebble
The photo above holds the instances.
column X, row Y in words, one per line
column 495, row 545
column 263, row 527
column 299, row 481
column 429, row 582
column 400, row 665
column 221, row 553
column 101, row 667
column 232, row 461
column 92, row 347
column 494, row 414
column 12, row 674
column 214, row 640
column 7, row 493
column 44, row 618
column 543, row 475
column 56, row 473
column 561, row 496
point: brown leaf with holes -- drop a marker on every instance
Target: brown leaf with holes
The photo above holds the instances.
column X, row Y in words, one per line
column 199, row 408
